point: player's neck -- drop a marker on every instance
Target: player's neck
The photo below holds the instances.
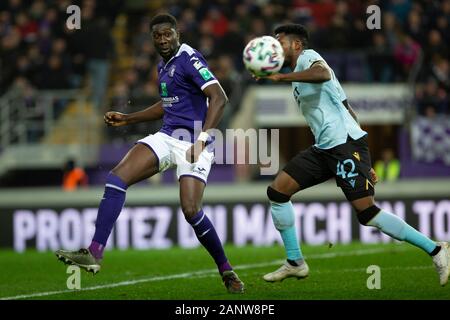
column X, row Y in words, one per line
column 294, row 60
column 166, row 59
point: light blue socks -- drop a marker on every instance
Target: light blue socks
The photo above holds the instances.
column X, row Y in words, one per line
column 397, row 228
column 283, row 219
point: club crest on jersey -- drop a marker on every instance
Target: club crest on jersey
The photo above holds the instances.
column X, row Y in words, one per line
column 172, row 71
column 356, row 155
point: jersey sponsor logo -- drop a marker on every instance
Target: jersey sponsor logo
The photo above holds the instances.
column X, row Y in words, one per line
column 172, row 71
column 356, row 155
column 164, row 92
column 205, row 73
column 168, row 101
column 171, row 99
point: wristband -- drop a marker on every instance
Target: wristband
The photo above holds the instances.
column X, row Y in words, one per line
column 203, row 136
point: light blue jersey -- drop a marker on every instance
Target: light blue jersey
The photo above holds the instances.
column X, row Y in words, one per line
column 322, row 107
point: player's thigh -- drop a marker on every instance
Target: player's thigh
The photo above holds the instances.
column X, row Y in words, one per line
column 285, row 184
column 191, row 194
column 308, row 168
column 363, row 203
column 138, row 164
column 352, row 165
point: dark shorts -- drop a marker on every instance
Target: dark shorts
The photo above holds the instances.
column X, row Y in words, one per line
column 349, row 163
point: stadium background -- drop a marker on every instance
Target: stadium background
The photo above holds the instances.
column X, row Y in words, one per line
column 56, row 83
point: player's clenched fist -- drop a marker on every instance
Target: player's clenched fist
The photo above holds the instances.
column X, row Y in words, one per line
column 115, row 119
column 373, row 176
column 194, row 151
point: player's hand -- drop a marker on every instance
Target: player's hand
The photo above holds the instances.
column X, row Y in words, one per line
column 274, row 77
column 373, row 176
column 194, row 151
column 115, row 119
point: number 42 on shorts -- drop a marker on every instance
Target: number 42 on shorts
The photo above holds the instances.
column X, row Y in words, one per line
column 340, row 169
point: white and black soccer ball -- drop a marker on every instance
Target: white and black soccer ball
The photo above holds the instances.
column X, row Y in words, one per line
column 263, row 56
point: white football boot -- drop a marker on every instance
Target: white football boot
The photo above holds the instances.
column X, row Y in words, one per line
column 287, row 271
column 442, row 262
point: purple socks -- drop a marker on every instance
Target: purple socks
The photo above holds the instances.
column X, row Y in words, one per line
column 208, row 237
column 108, row 212
column 97, row 250
column 111, row 206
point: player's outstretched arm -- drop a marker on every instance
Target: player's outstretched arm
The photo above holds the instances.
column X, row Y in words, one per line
column 317, row 73
column 217, row 101
column 117, row 119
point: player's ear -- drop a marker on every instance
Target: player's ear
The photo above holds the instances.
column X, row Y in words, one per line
column 297, row 44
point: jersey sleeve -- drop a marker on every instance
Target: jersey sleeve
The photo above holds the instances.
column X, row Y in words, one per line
column 197, row 70
column 306, row 59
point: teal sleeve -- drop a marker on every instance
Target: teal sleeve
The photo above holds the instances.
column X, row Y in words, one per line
column 306, row 59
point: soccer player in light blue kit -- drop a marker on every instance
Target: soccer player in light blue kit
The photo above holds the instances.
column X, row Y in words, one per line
column 340, row 151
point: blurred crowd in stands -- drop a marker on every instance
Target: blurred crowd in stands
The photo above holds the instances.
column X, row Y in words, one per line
column 37, row 51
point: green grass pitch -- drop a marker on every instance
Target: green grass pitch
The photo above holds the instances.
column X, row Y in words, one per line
column 337, row 272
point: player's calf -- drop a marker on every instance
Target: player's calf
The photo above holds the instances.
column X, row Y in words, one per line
column 284, row 220
column 398, row 229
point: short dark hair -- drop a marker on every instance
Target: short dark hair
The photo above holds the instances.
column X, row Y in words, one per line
column 297, row 30
column 163, row 18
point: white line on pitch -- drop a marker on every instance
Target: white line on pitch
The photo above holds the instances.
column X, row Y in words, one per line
column 201, row 273
column 351, row 270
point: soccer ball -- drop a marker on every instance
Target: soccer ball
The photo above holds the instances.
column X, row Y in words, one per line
column 263, row 56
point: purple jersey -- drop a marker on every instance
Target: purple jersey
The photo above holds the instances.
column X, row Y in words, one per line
column 181, row 81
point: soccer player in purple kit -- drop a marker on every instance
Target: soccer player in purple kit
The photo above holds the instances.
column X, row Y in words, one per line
column 189, row 93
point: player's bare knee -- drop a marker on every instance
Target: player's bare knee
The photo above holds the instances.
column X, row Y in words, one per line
column 189, row 208
column 368, row 214
column 119, row 173
column 277, row 196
